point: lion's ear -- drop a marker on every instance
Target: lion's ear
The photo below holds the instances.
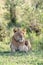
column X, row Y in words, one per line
column 24, row 31
column 15, row 30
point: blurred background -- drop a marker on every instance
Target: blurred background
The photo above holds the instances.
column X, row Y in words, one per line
column 24, row 14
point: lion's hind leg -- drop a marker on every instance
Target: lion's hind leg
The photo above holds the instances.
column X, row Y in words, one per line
column 23, row 48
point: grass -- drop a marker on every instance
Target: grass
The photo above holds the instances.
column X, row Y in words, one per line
column 34, row 57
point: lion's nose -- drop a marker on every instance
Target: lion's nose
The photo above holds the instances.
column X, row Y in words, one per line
column 21, row 37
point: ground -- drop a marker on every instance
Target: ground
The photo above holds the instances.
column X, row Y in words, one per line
column 34, row 57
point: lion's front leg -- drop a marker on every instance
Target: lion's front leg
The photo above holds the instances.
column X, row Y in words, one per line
column 13, row 48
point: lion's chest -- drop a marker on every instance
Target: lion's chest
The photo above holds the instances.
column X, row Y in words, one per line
column 17, row 44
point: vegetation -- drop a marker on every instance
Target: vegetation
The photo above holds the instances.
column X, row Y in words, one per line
column 24, row 14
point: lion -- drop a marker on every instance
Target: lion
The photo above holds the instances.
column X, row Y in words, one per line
column 18, row 41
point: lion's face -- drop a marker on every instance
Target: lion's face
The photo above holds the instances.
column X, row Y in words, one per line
column 19, row 35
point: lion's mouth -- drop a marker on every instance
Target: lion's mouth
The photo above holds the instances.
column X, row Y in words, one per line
column 19, row 39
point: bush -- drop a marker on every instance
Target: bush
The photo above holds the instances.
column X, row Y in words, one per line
column 36, row 41
column 2, row 31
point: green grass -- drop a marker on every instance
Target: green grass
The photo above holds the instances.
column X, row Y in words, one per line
column 34, row 57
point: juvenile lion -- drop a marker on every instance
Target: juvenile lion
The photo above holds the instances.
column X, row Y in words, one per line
column 18, row 41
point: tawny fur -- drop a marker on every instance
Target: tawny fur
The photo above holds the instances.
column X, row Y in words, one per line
column 18, row 42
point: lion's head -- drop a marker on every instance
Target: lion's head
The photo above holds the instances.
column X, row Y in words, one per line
column 19, row 34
